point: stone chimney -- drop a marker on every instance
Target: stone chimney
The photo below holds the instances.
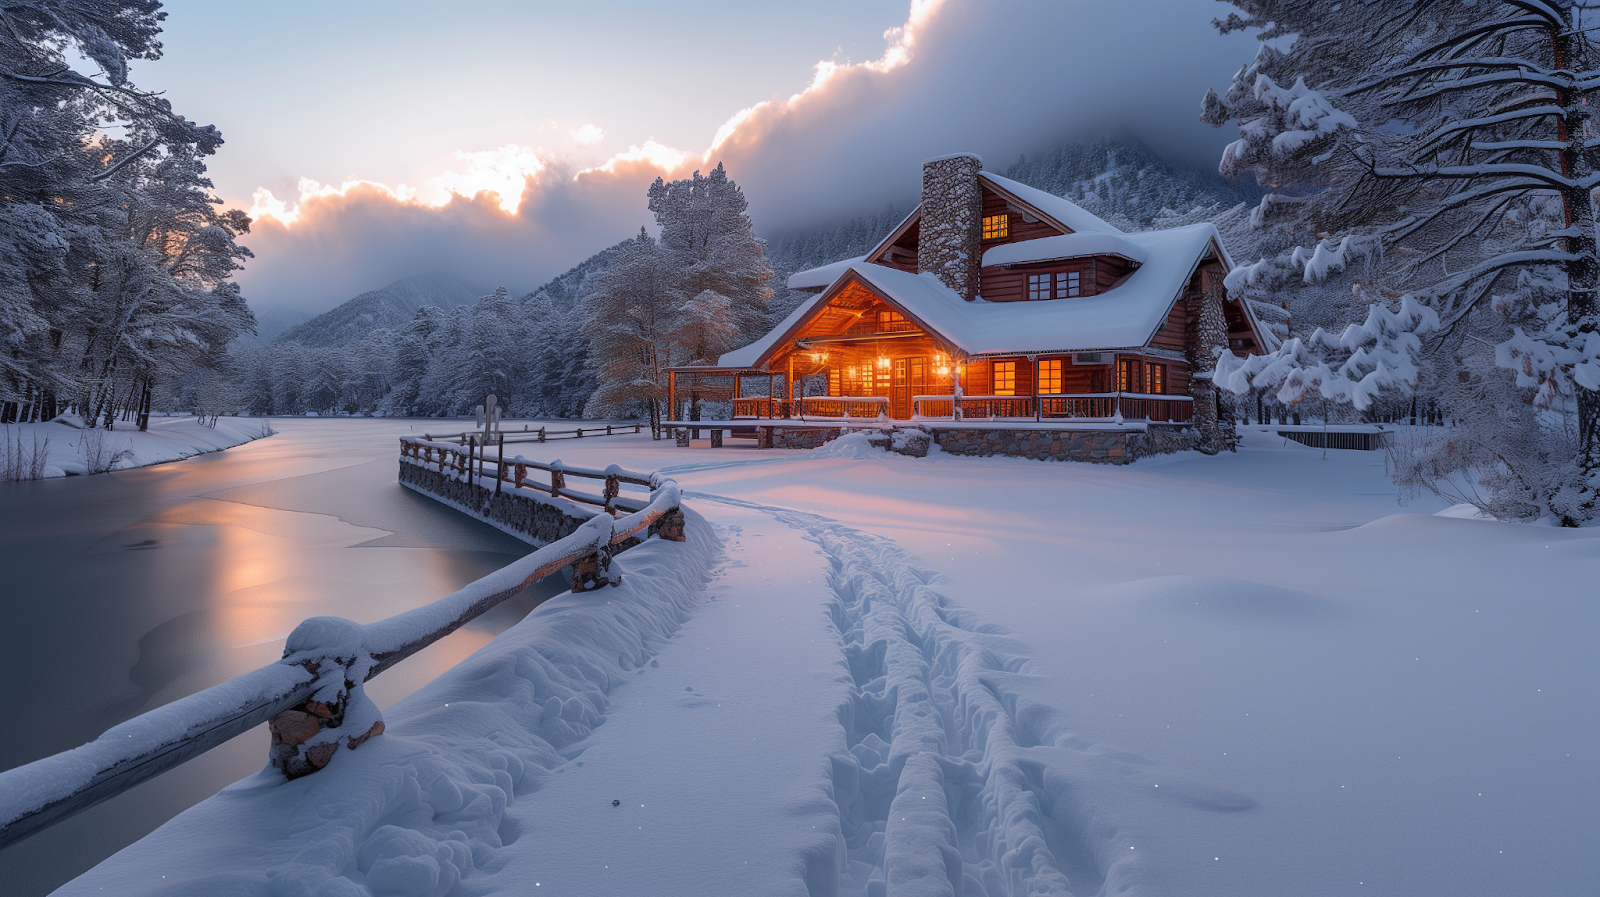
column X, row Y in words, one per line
column 951, row 232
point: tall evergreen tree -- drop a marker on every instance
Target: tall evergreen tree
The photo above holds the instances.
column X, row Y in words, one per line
column 1453, row 141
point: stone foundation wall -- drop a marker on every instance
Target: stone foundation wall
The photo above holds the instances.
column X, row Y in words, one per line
column 529, row 517
column 1098, row 447
column 795, row 438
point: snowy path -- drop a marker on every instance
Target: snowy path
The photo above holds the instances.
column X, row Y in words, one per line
column 954, row 781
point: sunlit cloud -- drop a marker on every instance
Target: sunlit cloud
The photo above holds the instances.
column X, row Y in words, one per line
column 850, row 140
column 652, row 153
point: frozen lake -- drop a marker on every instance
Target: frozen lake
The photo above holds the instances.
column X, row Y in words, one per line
column 126, row 591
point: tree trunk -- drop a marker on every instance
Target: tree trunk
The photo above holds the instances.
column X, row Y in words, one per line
column 144, row 406
column 1583, row 274
column 655, row 419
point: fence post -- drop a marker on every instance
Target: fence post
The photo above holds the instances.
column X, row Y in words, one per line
column 580, row 433
column 613, row 489
column 670, row 526
column 306, row 737
column 541, row 434
column 558, row 480
column 499, row 463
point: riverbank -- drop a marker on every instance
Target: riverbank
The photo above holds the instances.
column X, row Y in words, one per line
column 63, row 448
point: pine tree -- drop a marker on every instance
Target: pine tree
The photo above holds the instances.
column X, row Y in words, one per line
column 1451, row 140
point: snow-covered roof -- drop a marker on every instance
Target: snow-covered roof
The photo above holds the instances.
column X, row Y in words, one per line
column 821, row 276
column 1123, row 317
column 745, row 358
column 1065, row 246
column 1074, row 216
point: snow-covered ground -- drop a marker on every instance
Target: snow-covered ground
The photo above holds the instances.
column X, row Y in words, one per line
column 1249, row 674
column 64, row 448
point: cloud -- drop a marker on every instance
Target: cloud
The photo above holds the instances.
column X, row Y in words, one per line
column 997, row 78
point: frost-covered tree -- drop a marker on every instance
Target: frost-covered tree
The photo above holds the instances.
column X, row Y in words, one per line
column 706, row 231
column 115, row 262
column 631, row 309
column 1448, row 146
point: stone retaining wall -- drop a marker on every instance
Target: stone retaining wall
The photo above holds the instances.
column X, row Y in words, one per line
column 532, row 518
column 1095, row 446
column 795, row 437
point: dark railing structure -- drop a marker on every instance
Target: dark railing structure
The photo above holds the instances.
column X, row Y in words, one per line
column 312, row 699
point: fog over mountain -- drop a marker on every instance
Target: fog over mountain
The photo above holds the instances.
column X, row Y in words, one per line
column 389, row 307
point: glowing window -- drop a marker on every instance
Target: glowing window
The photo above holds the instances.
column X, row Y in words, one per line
column 1068, row 284
column 1038, row 286
column 1155, row 378
column 835, row 382
column 1050, row 376
column 890, row 321
column 1005, row 378
column 1128, row 375
column 996, row 227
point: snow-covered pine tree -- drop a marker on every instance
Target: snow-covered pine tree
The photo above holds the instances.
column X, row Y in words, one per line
column 1453, row 141
column 706, row 229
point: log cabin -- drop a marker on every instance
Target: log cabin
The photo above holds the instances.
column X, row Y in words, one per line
column 996, row 306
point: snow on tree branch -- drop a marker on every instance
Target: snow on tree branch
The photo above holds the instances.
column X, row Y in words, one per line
column 1353, row 368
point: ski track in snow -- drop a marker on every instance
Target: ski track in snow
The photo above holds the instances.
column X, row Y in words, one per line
column 944, row 788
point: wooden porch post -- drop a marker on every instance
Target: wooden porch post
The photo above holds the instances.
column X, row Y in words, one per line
column 1037, row 409
column 672, row 396
column 788, row 384
column 733, row 404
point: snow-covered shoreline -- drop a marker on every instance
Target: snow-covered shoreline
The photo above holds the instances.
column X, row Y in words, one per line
column 68, row 450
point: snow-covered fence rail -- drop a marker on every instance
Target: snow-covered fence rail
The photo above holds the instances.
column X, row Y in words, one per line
column 312, row 699
column 527, row 434
column 476, row 460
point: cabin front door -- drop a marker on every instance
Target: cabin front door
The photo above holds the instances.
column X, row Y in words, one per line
column 909, row 377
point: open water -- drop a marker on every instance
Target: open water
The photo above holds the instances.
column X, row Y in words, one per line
column 122, row 592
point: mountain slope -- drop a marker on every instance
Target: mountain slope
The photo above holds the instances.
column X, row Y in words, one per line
column 390, row 307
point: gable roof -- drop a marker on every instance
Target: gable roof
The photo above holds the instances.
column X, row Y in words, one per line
column 1067, row 215
column 1125, row 317
column 1053, row 208
column 820, row 277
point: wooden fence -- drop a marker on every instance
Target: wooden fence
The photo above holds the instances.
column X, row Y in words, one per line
column 306, row 696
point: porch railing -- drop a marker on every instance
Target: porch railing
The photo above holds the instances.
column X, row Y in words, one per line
column 844, row 406
column 760, row 407
column 1058, row 406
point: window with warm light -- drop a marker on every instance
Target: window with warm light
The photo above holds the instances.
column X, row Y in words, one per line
column 996, row 227
column 1038, row 286
column 1155, row 378
column 1128, row 375
column 891, row 321
column 1050, row 376
column 835, row 382
column 1005, row 378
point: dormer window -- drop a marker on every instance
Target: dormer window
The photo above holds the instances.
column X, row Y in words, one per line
column 1068, row 284
column 1038, row 286
column 996, row 227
